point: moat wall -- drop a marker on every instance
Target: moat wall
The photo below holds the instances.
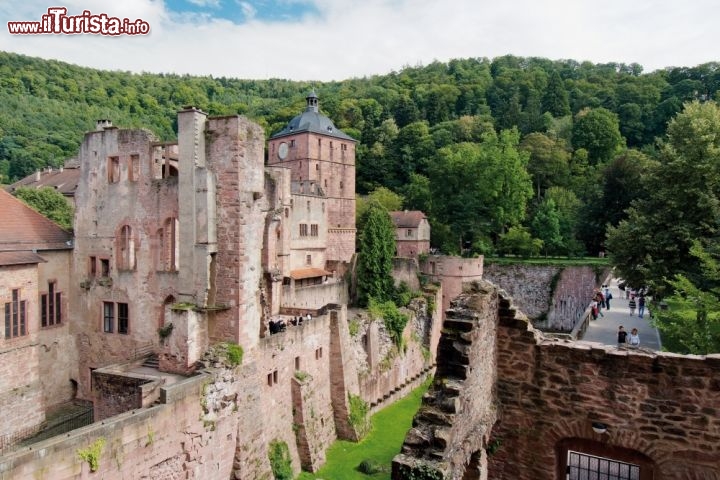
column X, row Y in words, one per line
column 553, row 297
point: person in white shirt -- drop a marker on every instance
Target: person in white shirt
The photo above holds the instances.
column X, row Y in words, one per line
column 633, row 339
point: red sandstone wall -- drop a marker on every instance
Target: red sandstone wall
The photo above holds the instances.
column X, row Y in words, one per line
column 157, row 442
column 662, row 406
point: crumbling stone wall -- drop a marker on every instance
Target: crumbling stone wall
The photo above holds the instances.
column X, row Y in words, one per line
column 454, row 421
column 541, row 397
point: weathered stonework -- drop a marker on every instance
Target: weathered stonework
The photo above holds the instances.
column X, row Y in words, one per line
column 553, row 297
column 540, row 398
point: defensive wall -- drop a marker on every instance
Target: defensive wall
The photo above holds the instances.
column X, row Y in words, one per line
column 294, row 387
column 554, row 297
column 508, row 403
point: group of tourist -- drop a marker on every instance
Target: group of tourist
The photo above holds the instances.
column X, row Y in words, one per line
column 600, row 300
column 279, row 325
column 632, row 339
column 638, row 303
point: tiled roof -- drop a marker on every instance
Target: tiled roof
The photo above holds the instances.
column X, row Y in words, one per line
column 19, row 258
column 308, row 273
column 22, row 228
column 407, row 218
column 63, row 180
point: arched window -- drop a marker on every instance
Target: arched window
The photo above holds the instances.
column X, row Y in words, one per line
column 126, row 249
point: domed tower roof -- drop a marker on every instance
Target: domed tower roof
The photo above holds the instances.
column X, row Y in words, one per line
column 311, row 120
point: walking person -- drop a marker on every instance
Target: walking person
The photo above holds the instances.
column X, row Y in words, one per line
column 608, row 297
column 641, row 306
column 600, row 299
column 622, row 336
column 632, row 304
column 634, row 339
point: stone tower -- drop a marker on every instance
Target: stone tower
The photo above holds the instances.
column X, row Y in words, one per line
column 322, row 156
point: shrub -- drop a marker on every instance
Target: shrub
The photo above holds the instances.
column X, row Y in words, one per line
column 234, row 354
column 394, row 320
column 280, row 461
column 371, row 467
column 91, row 454
column 358, row 418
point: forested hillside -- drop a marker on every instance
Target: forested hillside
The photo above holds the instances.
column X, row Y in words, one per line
column 523, row 155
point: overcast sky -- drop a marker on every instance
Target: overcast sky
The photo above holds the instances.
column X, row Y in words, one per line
column 339, row 39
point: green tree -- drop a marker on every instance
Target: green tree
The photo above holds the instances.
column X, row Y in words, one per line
column 692, row 323
column 556, row 99
column 479, row 190
column 682, row 204
column 546, row 226
column 519, row 241
column 390, row 200
column 597, row 131
column 548, row 163
column 377, row 249
column 48, row 202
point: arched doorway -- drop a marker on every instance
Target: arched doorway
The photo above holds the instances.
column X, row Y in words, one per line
column 580, row 458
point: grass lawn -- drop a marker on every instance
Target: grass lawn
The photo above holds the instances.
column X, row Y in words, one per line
column 389, row 427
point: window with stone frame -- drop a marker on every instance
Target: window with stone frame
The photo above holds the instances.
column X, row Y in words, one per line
column 134, row 168
column 113, row 169
column 303, row 230
column 170, row 245
column 126, row 249
column 92, row 266
column 123, row 318
column 108, row 317
column 314, row 230
column 51, row 306
column 104, row 267
column 15, row 316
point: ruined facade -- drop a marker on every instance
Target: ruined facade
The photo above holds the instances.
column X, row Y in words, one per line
column 185, row 251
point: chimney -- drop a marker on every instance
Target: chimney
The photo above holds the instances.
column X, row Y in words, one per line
column 102, row 124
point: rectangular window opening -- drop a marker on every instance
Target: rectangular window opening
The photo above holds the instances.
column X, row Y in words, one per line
column 108, row 317
column 113, row 167
column 123, row 318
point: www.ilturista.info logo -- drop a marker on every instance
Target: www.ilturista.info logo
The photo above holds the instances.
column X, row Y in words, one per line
column 57, row 21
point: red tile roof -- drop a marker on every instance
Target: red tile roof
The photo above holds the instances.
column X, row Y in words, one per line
column 407, row 218
column 19, row 258
column 308, row 273
column 22, row 228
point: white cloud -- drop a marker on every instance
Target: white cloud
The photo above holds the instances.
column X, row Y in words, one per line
column 206, row 3
column 352, row 38
column 248, row 10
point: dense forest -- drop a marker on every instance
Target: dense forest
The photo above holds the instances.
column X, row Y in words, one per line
column 509, row 155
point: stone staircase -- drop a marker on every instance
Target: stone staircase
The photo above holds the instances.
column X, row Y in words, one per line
column 151, row 361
